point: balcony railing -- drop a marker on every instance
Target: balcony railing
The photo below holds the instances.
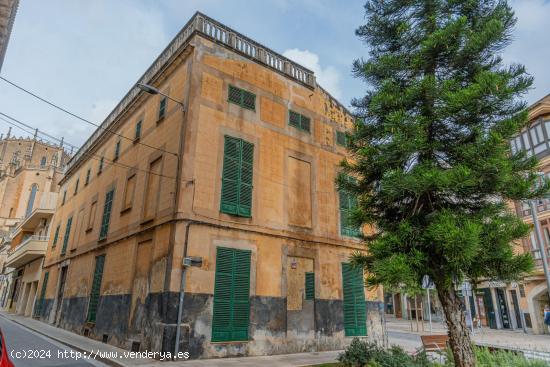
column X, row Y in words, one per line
column 30, row 249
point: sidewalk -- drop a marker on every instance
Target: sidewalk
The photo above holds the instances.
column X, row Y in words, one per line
column 77, row 342
column 512, row 339
column 87, row 345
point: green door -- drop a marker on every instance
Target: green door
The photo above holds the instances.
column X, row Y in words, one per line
column 96, row 287
column 231, row 295
column 355, row 311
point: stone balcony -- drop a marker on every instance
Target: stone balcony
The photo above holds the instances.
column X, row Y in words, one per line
column 30, row 249
column 44, row 210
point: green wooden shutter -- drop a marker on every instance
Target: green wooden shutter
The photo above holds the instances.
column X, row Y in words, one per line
column 237, row 177
column 230, row 176
column 242, row 97
column 294, row 119
column 341, row 138
column 348, row 204
column 231, row 313
column 310, row 286
column 42, row 299
column 117, row 150
column 88, row 173
column 106, row 214
column 245, row 184
column 56, row 235
column 355, row 312
column 67, row 235
column 162, row 108
column 138, row 130
column 96, row 288
column 248, row 100
column 234, row 95
column 299, row 121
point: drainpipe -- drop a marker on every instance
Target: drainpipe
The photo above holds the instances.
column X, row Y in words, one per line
column 182, row 290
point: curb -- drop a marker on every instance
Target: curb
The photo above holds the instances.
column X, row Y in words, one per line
column 106, row 361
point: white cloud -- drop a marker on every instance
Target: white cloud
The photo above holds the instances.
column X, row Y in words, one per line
column 328, row 77
column 529, row 46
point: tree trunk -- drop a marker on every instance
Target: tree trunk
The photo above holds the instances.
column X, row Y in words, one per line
column 459, row 335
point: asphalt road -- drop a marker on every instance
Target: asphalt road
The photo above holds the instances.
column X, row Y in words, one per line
column 29, row 349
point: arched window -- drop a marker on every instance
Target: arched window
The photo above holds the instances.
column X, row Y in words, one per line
column 32, row 196
column 43, row 162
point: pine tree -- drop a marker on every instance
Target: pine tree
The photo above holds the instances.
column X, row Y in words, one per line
column 431, row 149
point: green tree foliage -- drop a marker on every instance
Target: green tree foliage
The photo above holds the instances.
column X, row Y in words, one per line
column 431, row 149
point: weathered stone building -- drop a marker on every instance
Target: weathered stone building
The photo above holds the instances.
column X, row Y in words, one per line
column 30, row 170
column 241, row 177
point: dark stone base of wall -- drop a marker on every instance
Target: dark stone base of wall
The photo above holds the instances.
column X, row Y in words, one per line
column 152, row 324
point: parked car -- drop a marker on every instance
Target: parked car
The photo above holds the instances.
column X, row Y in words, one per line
column 4, row 356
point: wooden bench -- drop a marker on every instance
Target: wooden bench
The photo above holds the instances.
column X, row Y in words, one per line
column 434, row 343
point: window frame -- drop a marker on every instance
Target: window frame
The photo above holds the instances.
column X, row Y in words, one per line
column 242, row 94
column 117, row 150
column 300, row 124
column 107, row 212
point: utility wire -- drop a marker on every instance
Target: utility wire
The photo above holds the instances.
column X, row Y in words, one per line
column 80, row 117
column 89, row 155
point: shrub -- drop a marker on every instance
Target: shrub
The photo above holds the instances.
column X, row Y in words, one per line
column 500, row 358
column 363, row 353
column 366, row 354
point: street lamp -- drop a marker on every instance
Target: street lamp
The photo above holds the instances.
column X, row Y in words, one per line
column 147, row 88
column 541, row 242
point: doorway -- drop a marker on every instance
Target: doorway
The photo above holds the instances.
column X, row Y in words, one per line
column 59, row 298
column 489, row 309
column 517, row 311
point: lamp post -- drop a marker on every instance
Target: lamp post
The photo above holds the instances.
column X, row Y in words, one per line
column 540, row 240
column 152, row 90
column 188, row 261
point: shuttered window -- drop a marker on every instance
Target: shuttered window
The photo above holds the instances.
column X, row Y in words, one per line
column 105, row 220
column 67, row 235
column 76, row 186
column 162, row 108
column 341, row 138
column 238, row 159
column 96, row 287
column 348, row 204
column 299, row 121
column 100, row 169
column 355, row 311
column 242, row 97
column 231, row 295
column 42, row 300
column 64, row 197
column 117, row 150
column 88, row 173
column 56, row 235
column 138, row 130
column 310, row 286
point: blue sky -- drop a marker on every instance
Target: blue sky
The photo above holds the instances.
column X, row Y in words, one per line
column 86, row 54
